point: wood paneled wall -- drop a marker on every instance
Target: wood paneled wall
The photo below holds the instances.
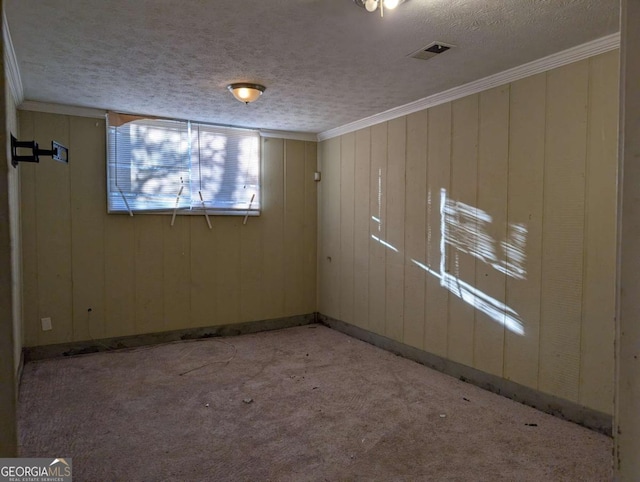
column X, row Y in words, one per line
column 10, row 335
column 13, row 185
column 98, row 275
column 525, row 287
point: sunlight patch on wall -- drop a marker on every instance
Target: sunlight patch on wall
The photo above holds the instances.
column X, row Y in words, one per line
column 493, row 308
column 384, row 243
column 464, row 228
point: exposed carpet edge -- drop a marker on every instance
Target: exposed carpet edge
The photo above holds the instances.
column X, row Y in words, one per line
column 107, row 344
column 565, row 409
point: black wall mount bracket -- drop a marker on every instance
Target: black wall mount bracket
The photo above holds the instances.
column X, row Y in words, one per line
column 57, row 152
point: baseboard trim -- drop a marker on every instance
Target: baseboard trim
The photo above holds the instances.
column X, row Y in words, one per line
column 567, row 410
column 108, row 344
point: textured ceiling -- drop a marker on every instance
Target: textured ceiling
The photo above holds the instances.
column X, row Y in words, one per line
column 325, row 63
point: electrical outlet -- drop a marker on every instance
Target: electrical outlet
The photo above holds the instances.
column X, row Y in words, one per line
column 46, row 324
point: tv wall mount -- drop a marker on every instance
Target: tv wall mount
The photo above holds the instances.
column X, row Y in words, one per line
column 57, row 152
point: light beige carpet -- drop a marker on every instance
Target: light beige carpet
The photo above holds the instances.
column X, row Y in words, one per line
column 305, row 403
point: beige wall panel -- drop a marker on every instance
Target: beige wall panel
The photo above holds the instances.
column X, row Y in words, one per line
column 492, row 243
column 347, row 173
column 377, row 229
column 329, row 253
column 415, row 277
column 526, row 173
column 88, row 201
column 28, row 210
column 10, row 282
column 484, row 164
column 119, row 275
column 562, row 257
column 294, row 248
column 53, row 210
column 149, row 272
column 362, row 221
column 176, row 251
column 227, row 262
column 310, row 228
column 273, row 283
column 394, row 236
column 204, row 271
column 140, row 275
column 598, row 307
column 463, row 195
column 438, row 182
column 251, row 260
column 13, row 191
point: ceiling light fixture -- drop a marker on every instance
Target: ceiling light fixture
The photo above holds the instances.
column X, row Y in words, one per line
column 373, row 5
column 246, row 92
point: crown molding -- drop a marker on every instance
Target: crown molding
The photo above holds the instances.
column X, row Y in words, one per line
column 574, row 54
column 36, row 106
column 12, row 70
column 296, row 136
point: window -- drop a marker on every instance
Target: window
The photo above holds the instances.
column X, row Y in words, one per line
column 166, row 166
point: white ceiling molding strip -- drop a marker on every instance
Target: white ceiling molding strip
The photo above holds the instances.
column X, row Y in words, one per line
column 49, row 108
column 12, row 70
column 574, row 54
column 296, row 136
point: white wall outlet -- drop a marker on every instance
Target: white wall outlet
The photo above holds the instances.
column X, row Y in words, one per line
column 46, row 324
column 317, row 176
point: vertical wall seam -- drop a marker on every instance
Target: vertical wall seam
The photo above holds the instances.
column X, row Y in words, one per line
column 506, row 231
column 404, row 236
column 446, row 249
column 285, row 220
column 352, row 268
column 305, row 223
column 340, row 257
column 368, row 231
column 386, row 216
column 475, row 243
column 135, row 276
column 353, row 234
column 369, row 228
column 425, row 303
column 542, row 227
column 404, row 231
column 35, row 235
column 73, row 326
column 404, row 226
column 476, row 207
column 105, row 305
column 585, row 224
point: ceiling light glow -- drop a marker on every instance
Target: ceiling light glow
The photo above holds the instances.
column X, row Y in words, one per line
column 371, row 5
column 374, row 5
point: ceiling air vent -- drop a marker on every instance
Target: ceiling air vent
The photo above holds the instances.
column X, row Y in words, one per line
column 431, row 50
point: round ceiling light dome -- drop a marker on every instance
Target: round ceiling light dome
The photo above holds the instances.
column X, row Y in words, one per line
column 246, row 92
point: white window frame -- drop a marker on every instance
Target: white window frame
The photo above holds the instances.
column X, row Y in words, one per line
column 181, row 188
